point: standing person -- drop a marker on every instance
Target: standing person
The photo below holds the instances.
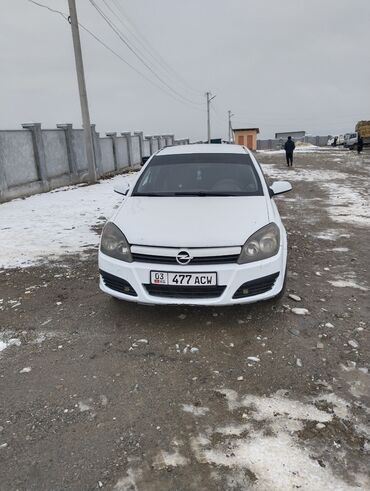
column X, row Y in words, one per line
column 360, row 144
column 289, row 149
column 335, row 141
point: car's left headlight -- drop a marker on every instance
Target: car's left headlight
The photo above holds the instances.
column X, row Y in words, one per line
column 262, row 244
column 114, row 244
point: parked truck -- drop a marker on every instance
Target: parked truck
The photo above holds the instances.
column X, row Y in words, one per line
column 362, row 129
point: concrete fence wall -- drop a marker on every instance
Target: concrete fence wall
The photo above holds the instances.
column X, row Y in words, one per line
column 35, row 160
column 276, row 144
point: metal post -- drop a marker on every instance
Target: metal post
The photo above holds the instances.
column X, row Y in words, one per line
column 230, row 126
column 209, row 99
column 208, row 119
column 82, row 91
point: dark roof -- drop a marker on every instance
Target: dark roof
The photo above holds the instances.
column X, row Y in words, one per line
column 289, row 132
column 247, row 129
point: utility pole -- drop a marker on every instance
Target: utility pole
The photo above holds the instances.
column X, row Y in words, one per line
column 82, row 90
column 230, row 126
column 209, row 99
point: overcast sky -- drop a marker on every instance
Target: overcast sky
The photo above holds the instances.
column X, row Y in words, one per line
column 279, row 65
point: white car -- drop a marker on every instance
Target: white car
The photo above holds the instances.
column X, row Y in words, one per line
column 350, row 140
column 198, row 227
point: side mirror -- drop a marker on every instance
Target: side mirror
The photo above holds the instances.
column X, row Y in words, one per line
column 144, row 160
column 122, row 188
column 279, row 187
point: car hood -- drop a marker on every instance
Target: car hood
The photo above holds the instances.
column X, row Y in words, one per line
column 191, row 221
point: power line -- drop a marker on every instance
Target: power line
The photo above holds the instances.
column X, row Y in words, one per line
column 140, row 38
column 134, row 68
column 65, row 17
column 127, row 44
column 49, row 8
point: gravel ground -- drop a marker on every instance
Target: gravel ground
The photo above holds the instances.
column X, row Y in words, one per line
column 97, row 393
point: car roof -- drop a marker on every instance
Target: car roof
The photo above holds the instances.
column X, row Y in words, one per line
column 203, row 148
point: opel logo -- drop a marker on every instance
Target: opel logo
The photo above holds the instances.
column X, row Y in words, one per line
column 183, row 257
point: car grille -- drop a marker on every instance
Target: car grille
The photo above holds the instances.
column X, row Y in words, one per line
column 195, row 292
column 117, row 284
column 148, row 258
column 256, row 287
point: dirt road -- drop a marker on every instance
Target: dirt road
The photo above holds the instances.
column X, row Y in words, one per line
column 97, row 393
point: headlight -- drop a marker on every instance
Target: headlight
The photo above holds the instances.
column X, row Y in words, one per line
column 261, row 245
column 114, row 244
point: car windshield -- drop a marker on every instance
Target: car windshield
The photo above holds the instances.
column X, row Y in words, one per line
column 218, row 174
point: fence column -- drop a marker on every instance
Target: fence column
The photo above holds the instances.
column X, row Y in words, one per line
column 39, row 152
column 151, row 138
column 97, row 151
column 140, row 134
column 159, row 140
column 113, row 136
column 147, row 139
column 128, row 136
column 71, row 154
column 3, row 181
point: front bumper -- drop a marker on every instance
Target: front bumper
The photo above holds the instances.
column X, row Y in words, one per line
column 232, row 276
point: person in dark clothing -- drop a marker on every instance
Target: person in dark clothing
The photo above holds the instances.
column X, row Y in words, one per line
column 289, row 149
column 360, row 144
column 335, row 141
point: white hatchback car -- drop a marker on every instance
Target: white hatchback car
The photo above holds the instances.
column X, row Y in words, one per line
column 198, row 227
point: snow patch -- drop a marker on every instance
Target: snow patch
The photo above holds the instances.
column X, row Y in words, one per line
column 169, row 459
column 6, row 343
column 53, row 224
column 82, row 406
column 273, row 458
column 277, row 463
column 129, row 482
column 301, row 174
column 195, row 410
column 347, row 205
column 347, row 284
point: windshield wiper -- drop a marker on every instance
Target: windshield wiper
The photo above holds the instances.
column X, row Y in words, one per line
column 186, row 193
column 204, row 193
column 160, row 195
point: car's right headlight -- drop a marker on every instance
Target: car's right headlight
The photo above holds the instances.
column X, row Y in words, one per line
column 262, row 244
column 114, row 244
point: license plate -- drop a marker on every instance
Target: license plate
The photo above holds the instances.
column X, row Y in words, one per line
column 183, row 279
